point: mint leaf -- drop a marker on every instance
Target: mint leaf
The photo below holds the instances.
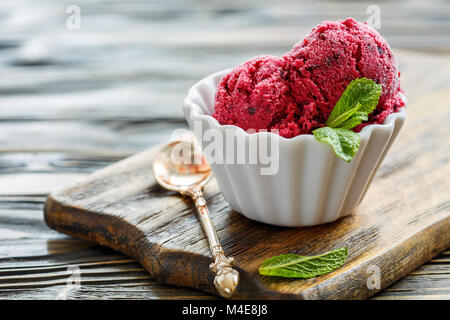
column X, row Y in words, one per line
column 353, row 107
column 349, row 141
column 354, row 120
column 361, row 95
column 344, row 142
column 341, row 118
column 296, row 266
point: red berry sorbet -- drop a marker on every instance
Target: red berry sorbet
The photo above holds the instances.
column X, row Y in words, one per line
column 296, row 93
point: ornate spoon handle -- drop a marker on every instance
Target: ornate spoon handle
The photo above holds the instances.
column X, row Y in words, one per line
column 227, row 278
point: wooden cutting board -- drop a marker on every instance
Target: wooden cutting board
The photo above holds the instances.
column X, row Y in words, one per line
column 403, row 222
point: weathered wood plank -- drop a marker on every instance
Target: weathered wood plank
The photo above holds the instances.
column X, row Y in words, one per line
column 133, row 290
column 42, row 244
column 111, row 139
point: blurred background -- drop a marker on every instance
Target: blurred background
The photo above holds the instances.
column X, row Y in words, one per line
column 115, row 84
column 85, row 83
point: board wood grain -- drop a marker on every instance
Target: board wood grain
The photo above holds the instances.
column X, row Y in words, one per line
column 403, row 222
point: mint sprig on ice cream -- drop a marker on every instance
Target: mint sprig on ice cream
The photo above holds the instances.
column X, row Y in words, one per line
column 355, row 104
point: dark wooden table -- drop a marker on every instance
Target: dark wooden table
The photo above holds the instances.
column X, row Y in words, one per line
column 75, row 100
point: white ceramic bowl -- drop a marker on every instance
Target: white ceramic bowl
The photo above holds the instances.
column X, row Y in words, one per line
column 311, row 186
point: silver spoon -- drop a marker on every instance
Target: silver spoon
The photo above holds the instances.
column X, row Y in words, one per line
column 176, row 167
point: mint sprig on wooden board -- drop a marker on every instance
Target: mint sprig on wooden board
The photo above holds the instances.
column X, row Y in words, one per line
column 297, row 266
column 357, row 101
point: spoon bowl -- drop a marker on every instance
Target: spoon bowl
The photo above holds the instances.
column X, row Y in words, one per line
column 180, row 166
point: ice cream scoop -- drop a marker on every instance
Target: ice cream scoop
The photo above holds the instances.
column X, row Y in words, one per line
column 255, row 94
column 295, row 94
column 330, row 57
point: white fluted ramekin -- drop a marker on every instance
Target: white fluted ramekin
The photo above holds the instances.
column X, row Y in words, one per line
column 312, row 185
